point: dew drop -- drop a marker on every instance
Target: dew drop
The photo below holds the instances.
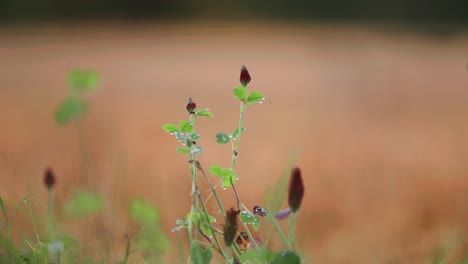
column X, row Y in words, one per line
column 237, row 178
column 171, row 134
column 224, row 188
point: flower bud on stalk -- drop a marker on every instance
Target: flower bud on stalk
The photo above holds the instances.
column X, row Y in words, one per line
column 244, row 76
column 191, row 106
column 49, row 178
column 296, row 190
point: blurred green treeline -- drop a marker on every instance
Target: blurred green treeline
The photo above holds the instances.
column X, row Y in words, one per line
column 447, row 12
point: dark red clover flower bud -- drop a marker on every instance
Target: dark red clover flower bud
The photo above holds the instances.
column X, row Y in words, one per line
column 191, row 106
column 296, row 189
column 230, row 227
column 244, row 76
column 49, row 178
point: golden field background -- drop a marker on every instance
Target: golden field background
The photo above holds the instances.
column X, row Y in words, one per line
column 377, row 119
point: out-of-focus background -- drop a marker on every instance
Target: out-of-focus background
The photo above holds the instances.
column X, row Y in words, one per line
column 370, row 96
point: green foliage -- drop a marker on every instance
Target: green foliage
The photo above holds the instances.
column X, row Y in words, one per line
column 227, row 176
column 240, row 92
column 183, row 150
column 185, row 126
column 196, row 150
column 222, row 138
column 84, row 204
column 262, row 255
column 204, row 112
column 170, row 128
column 150, row 238
column 200, row 255
column 247, row 217
column 83, row 80
column 237, row 132
column 70, row 109
column 75, row 105
column 2, row 206
column 143, row 212
column 199, row 219
column 286, row 257
column 193, row 136
column 254, row 97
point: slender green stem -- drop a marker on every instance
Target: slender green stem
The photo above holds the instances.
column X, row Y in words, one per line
column 194, row 208
column 236, row 250
column 292, row 222
column 235, row 151
column 33, row 222
column 252, row 239
column 212, row 230
column 50, row 204
column 10, row 224
column 213, row 191
column 247, row 230
column 280, row 232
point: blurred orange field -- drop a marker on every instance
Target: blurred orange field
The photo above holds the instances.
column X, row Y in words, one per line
column 376, row 119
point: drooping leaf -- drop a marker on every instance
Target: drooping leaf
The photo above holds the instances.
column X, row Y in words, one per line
column 72, row 108
column 254, row 97
column 222, row 138
column 83, row 204
column 240, row 92
column 170, row 128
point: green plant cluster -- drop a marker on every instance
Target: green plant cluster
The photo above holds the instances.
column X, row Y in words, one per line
column 52, row 244
column 204, row 233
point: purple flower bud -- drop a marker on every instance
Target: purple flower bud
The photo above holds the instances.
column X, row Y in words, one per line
column 283, row 214
column 244, row 76
column 49, row 178
column 191, row 106
column 230, row 227
column 296, row 190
